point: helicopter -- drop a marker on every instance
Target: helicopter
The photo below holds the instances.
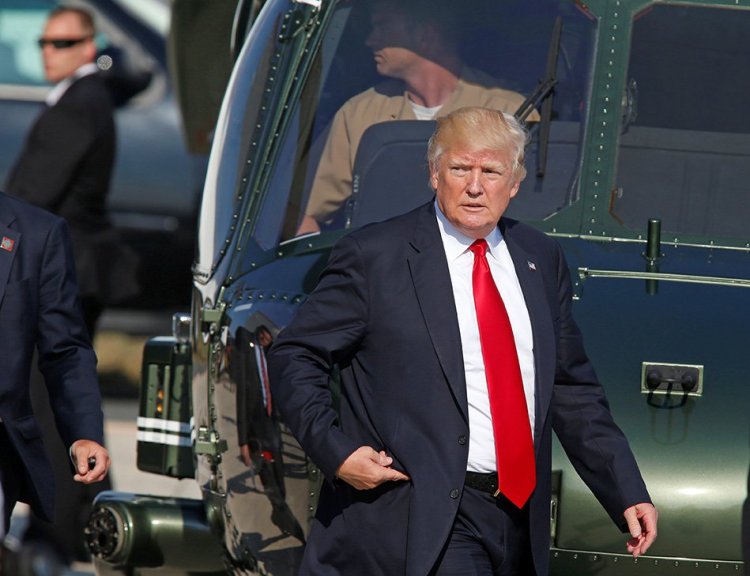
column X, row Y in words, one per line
column 638, row 163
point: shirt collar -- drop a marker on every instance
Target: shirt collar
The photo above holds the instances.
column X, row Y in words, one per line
column 456, row 243
column 59, row 89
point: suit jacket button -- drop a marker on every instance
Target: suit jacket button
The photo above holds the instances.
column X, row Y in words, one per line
column 454, row 493
column 462, row 439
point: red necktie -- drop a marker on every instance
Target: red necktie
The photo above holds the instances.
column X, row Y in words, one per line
column 514, row 447
column 264, row 378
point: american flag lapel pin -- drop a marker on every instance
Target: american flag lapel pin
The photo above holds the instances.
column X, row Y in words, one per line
column 7, row 244
column 532, row 266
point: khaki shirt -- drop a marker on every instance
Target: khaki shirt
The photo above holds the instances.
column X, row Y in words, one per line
column 388, row 101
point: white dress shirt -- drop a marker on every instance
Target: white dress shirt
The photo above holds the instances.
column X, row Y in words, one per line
column 59, row 89
column 460, row 265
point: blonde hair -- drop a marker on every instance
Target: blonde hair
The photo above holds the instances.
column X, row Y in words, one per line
column 473, row 128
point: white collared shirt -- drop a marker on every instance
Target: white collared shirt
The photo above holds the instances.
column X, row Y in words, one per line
column 460, row 265
column 56, row 93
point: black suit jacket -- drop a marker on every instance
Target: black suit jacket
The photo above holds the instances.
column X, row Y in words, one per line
column 384, row 312
column 66, row 167
column 39, row 311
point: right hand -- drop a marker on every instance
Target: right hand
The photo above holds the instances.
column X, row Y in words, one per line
column 245, row 455
column 309, row 225
column 365, row 469
column 83, row 450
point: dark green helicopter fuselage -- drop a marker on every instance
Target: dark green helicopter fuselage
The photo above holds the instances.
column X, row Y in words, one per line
column 638, row 164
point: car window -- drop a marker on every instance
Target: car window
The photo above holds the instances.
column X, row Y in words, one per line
column 20, row 25
column 129, row 67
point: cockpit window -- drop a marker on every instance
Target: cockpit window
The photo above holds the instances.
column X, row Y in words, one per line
column 685, row 149
column 355, row 143
column 244, row 113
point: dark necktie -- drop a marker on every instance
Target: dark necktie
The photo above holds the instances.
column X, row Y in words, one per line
column 514, row 446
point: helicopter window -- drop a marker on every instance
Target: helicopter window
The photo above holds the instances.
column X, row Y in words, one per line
column 244, row 117
column 685, row 148
column 497, row 55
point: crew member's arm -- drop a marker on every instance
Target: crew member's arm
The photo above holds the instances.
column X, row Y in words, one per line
column 332, row 184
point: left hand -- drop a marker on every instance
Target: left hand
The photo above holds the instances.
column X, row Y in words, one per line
column 81, row 451
column 641, row 520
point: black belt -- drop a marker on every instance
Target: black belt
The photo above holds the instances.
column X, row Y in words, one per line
column 484, row 482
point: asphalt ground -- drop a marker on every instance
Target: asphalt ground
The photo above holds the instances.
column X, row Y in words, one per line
column 120, row 436
column 119, row 346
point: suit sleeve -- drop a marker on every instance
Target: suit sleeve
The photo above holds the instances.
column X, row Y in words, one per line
column 66, row 358
column 52, row 155
column 583, row 422
column 324, row 332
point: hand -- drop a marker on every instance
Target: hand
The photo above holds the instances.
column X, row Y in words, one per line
column 308, row 226
column 365, row 469
column 245, row 455
column 641, row 520
column 83, row 450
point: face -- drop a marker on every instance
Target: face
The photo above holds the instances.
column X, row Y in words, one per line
column 264, row 338
column 390, row 40
column 474, row 188
column 59, row 63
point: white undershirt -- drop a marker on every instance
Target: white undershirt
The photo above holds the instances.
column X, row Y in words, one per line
column 460, row 265
column 423, row 112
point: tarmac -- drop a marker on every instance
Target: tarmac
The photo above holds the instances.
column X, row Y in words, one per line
column 120, row 435
column 120, row 427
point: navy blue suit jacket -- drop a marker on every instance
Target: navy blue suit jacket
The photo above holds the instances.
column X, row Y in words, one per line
column 39, row 310
column 384, row 312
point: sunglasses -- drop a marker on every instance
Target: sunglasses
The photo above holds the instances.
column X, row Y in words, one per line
column 61, row 43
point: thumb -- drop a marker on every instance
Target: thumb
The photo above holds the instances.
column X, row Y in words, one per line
column 81, row 465
column 383, row 459
column 634, row 526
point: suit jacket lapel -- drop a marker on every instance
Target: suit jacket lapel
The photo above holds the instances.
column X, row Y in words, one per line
column 9, row 240
column 532, row 286
column 429, row 271
column 432, row 284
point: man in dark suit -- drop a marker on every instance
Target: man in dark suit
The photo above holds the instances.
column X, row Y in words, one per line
column 65, row 167
column 67, row 160
column 39, row 310
column 421, row 478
